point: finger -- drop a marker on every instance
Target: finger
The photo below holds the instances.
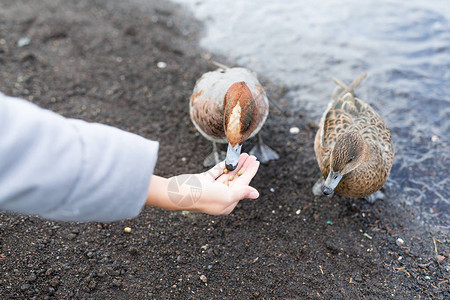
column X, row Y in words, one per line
column 248, row 171
column 248, row 162
column 216, row 171
column 242, row 159
column 244, row 192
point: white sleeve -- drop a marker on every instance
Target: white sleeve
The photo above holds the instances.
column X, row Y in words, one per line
column 70, row 170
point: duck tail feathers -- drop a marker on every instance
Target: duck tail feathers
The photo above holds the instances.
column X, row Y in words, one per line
column 351, row 88
column 219, row 65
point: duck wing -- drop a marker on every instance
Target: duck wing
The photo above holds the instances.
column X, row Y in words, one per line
column 341, row 112
column 374, row 131
column 206, row 105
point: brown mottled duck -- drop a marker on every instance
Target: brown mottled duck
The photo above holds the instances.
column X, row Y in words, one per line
column 353, row 146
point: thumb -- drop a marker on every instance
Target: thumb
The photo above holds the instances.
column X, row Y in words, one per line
column 246, row 192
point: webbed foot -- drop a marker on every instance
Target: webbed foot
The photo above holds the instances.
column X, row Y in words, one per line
column 263, row 152
column 378, row 195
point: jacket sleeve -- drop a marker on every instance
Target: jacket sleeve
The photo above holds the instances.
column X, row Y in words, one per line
column 70, row 170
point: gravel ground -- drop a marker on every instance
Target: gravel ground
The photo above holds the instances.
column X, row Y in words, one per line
column 98, row 61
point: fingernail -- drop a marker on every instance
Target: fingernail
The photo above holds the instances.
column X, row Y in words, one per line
column 253, row 195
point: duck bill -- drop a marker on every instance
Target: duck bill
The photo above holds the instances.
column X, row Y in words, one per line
column 331, row 182
column 233, row 154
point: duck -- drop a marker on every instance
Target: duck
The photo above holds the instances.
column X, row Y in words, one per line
column 229, row 105
column 353, row 146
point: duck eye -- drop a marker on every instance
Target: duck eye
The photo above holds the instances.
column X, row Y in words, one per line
column 350, row 160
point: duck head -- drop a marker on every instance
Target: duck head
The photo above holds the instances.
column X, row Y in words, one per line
column 239, row 120
column 349, row 152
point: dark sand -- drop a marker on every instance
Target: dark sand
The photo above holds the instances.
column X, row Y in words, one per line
column 97, row 60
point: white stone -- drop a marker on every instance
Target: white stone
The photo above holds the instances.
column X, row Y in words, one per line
column 294, row 130
column 161, row 65
column 23, row 41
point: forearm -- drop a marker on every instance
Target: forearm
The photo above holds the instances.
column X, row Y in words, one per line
column 70, row 170
column 158, row 194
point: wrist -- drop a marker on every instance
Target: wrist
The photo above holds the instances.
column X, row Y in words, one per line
column 157, row 194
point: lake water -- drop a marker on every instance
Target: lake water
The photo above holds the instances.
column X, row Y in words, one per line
column 403, row 45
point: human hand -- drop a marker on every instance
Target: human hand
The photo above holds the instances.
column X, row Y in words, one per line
column 210, row 192
column 221, row 192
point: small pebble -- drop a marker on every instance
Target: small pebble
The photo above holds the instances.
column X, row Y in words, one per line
column 32, row 277
column 272, row 190
column 92, row 285
column 358, row 277
column 329, row 223
column 54, row 282
column 294, row 130
column 427, row 277
column 22, row 42
column 399, row 242
column 116, row 282
column 127, row 229
column 203, row 278
column 434, row 138
column 161, row 65
column 440, row 257
column 298, row 212
column 367, row 236
column 133, row 250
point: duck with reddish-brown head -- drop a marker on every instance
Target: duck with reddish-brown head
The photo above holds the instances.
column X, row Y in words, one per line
column 229, row 105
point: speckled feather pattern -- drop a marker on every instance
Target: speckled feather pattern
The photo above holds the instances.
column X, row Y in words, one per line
column 347, row 113
column 206, row 105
